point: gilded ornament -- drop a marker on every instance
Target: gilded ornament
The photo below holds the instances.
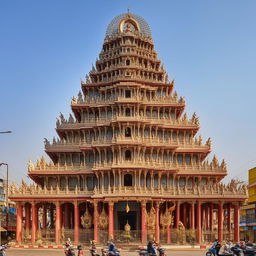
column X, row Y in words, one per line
column 86, row 220
column 103, row 219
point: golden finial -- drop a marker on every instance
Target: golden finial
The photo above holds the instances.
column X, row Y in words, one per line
column 127, row 208
column 128, row 13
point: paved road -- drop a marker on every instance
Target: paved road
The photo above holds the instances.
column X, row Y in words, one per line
column 55, row 252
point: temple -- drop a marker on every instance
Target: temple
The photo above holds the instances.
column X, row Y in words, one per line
column 128, row 164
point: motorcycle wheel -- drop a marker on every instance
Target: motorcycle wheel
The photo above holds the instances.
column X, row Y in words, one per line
column 208, row 254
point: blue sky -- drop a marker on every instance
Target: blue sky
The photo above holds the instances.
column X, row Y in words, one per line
column 209, row 47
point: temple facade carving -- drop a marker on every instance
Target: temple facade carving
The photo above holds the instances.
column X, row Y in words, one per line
column 129, row 163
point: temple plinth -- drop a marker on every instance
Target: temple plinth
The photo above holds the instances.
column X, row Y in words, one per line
column 128, row 153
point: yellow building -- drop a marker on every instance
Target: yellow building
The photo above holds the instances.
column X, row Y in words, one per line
column 247, row 213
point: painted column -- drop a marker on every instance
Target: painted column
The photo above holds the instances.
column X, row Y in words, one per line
column 177, row 216
column 27, row 217
column 143, row 223
column 95, row 221
column 57, row 223
column 236, row 223
column 76, row 222
column 19, row 224
column 199, row 224
column 34, row 223
column 44, row 216
column 184, row 217
column 111, row 220
column 192, row 221
column 157, row 234
column 220, row 221
column 169, row 234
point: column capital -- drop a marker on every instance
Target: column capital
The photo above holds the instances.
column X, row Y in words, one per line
column 75, row 203
column 110, row 203
column 221, row 203
column 157, row 203
column 57, row 203
column 143, row 203
column 193, row 202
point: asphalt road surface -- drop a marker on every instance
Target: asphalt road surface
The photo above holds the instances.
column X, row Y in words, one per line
column 59, row 252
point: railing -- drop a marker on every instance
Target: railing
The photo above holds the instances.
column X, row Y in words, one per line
column 132, row 236
column 103, row 236
column 136, row 98
column 203, row 191
column 46, row 235
column 61, row 145
column 103, row 121
column 85, row 235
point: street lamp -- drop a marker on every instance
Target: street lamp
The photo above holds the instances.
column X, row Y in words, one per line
column 5, row 131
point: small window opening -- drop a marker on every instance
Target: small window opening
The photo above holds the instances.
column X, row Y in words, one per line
column 128, row 180
column 128, row 132
column 127, row 62
column 128, row 112
column 128, row 155
column 127, row 94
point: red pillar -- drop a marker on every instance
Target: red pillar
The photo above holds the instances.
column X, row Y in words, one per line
column 157, row 234
column 111, row 220
column 220, row 222
column 177, row 216
column 229, row 217
column 199, row 225
column 76, row 222
column 44, row 216
column 143, row 223
column 184, row 215
column 19, row 224
column 27, row 217
column 236, row 223
column 66, row 216
column 95, row 221
column 192, row 221
column 34, row 223
column 57, row 223
column 169, row 234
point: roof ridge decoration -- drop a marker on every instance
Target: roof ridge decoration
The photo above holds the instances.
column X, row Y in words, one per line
column 128, row 22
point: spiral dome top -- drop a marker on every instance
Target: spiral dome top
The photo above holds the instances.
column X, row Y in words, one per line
column 138, row 22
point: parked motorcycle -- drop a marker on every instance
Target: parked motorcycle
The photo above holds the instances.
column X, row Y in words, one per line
column 161, row 251
column 79, row 250
column 237, row 250
column 152, row 249
column 2, row 249
column 92, row 249
column 211, row 253
column 69, row 250
column 249, row 249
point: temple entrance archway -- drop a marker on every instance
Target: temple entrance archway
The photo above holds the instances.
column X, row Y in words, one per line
column 124, row 218
column 133, row 215
column 127, row 212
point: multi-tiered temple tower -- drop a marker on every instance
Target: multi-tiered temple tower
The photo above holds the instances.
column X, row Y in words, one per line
column 128, row 165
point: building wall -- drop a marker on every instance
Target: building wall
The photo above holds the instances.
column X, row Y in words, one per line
column 252, row 185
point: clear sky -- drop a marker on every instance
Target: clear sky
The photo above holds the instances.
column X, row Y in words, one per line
column 209, row 47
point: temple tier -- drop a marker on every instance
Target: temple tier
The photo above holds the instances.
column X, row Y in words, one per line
column 128, row 165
